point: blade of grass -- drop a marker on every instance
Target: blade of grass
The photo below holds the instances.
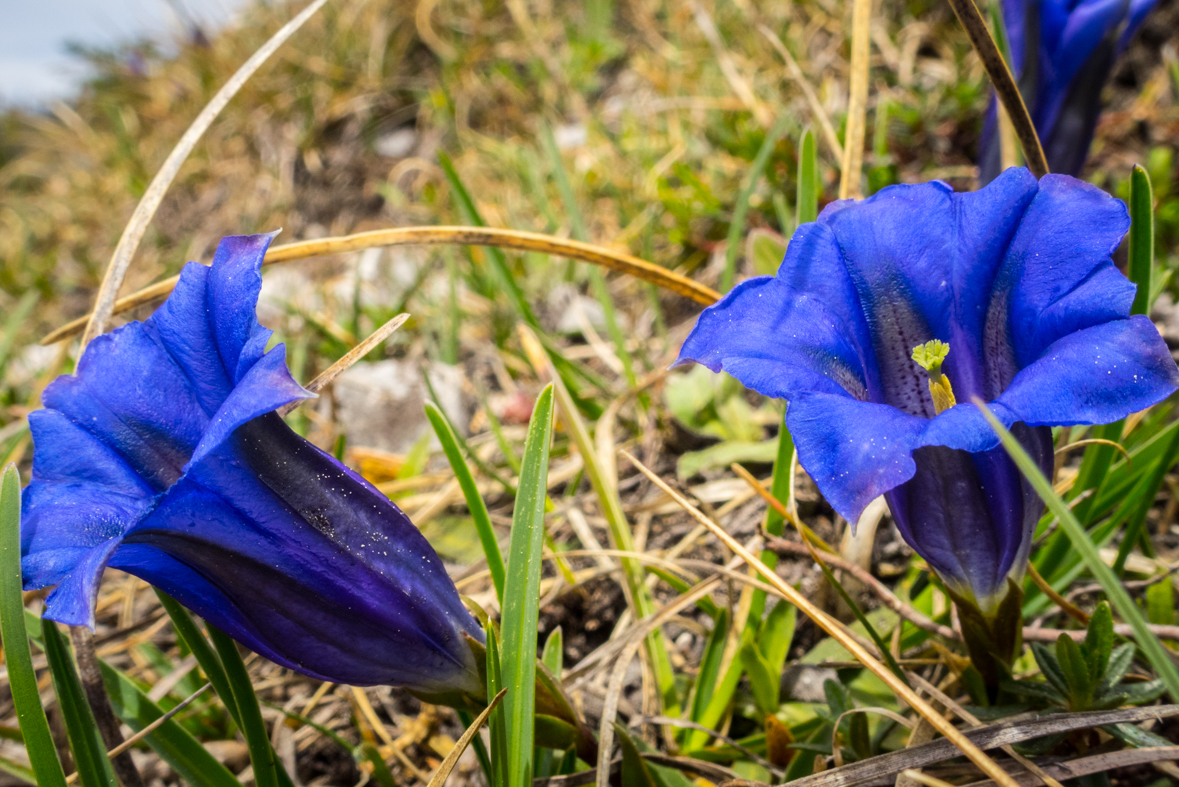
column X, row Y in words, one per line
column 577, row 225
column 1154, row 651
column 807, row 203
column 253, row 727
column 838, row 633
column 1143, row 505
column 16, row 319
column 620, row 535
column 497, row 721
column 93, row 764
column 1141, row 238
column 21, row 679
column 207, row 659
column 475, row 504
column 752, row 178
column 522, row 593
column 172, row 742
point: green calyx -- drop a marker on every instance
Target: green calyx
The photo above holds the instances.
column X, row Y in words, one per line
column 993, row 640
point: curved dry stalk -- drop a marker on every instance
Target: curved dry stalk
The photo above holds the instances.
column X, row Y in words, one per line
column 146, row 209
column 461, row 744
column 829, row 625
column 437, row 236
column 1005, row 87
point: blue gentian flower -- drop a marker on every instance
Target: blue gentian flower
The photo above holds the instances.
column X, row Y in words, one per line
column 1017, row 280
column 1062, row 53
column 163, row 457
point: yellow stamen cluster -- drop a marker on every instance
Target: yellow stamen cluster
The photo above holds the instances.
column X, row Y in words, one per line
column 929, row 356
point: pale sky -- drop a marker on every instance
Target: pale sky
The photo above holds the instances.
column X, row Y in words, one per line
column 34, row 64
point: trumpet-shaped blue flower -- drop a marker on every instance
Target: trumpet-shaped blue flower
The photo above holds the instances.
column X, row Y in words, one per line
column 163, row 457
column 1062, row 53
column 1017, row 280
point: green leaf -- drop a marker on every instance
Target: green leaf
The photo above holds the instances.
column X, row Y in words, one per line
column 553, row 654
column 1120, row 659
column 777, row 632
column 172, row 742
column 1155, row 653
column 635, row 771
column 808, row 179
column 710, row 664
column 94, row 767
column 1050, row 667
column 737, row 225
column 1139, row 693
column 1033, row 689
column 723, row 455
column 475, row 503
column 1160, row 603
column 765, row 249
column 253, row 727
column 1141, row 238
column 1099, row 641
column 766, row 684
column 21, row 678
column 1135, row 736
column 522, row 593
column 1076, row 673
column 554, row 733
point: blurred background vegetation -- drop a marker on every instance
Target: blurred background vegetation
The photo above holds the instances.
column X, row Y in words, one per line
column 631, row 124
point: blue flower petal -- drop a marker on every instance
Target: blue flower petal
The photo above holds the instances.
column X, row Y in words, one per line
column 854, row 451
column 1095, row 376
column 776, row 341
column 924, row 261
column 163, row 457
column 299, row 559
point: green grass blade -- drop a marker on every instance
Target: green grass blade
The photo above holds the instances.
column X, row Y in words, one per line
column 1141, row 238
column 21, row 678
column 807, row 203
column 522, row 593
column 202, row 651
column 737, row 225
column 564, row 187
column 18, row 771
column 499, row 262
column 581, row 233
column 775, row 523
column 253, row 728
column 1154, row 651
column 16, row 319
column 94, row 767
column 171, row 741
column 1143, row 505
column 497, row 722
column 475, row 504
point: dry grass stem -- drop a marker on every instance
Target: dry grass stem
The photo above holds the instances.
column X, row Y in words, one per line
column 146, row 209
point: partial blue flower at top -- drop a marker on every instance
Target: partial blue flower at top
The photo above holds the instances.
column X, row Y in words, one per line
column 163, row 456
column 1062, row 54
column 1017, row 279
